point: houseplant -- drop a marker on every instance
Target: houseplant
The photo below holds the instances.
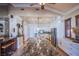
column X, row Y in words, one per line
column 76, row 32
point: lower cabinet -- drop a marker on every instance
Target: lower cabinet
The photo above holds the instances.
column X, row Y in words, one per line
column 71, row 48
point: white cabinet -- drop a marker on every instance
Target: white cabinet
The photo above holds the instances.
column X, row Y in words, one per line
column 70, row 47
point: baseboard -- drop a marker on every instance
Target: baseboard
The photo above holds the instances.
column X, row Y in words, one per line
column 62, row 50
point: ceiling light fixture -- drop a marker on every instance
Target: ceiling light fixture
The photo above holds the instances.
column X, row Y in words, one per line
column 42, row 5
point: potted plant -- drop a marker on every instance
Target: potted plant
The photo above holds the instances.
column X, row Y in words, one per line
column 76, row 32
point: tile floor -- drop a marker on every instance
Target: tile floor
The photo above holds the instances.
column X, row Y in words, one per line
column 44, row 49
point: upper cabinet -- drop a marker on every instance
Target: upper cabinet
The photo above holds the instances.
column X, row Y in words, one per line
column 4, row 27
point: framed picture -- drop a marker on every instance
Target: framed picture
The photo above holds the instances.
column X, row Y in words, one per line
column 68, row 28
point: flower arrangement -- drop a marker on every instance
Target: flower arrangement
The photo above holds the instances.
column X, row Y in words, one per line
column 76, row 30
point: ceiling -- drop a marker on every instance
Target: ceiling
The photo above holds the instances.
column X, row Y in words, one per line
column 61, row 7
column 55, row 7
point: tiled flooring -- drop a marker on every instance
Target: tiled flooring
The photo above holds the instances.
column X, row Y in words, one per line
column 34, row 51
column 54, row 53
column 21, row 52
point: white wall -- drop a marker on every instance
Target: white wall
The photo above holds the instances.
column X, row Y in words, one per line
column 66, row 44
column 26, row 30
column 13, row 25
column 32, row 30
column 33, row 26
column 59, row 25
column 13, row 22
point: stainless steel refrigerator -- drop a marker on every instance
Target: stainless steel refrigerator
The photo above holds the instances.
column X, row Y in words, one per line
column 54, row 36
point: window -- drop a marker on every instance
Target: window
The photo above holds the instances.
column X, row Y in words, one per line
column 68, row 28
column 77, row 25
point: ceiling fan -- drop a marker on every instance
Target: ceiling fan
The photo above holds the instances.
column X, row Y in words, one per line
column 42, row 5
